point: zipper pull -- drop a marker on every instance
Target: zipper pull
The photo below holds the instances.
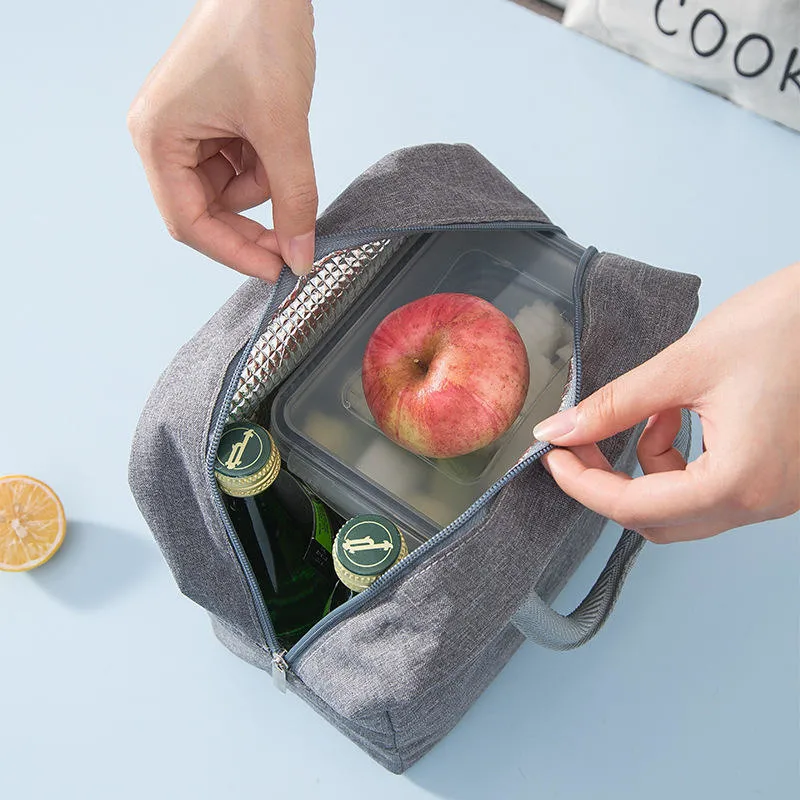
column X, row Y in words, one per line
column 279, row 670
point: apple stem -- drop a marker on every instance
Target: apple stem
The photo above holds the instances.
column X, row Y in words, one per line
column 421, row 364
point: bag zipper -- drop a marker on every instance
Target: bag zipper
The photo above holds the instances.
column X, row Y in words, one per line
column 283, row 660
column 279, row 670
column 278, row 292
column 329, row 244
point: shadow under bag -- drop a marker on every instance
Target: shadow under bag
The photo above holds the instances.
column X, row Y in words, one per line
column 397, row 666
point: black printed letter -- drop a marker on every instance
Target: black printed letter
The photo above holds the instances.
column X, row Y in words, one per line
column 658, row 21
column 739, row 47
column 723, row 31
column 790, row 76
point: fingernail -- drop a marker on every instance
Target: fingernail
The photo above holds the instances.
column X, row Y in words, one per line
column 301, row 254
column 558, row 425
column 544, row 464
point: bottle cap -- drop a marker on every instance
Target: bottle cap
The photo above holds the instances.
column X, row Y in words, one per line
column 365, row 547
column 247, row 459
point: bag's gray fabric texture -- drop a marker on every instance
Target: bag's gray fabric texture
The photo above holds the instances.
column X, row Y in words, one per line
column 429, row 185
column 397, row 675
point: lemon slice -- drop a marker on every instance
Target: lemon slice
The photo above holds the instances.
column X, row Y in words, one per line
column 32, row 523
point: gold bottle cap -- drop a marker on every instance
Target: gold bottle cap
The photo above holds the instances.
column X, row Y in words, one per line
column 247, row 459
column 365, row 547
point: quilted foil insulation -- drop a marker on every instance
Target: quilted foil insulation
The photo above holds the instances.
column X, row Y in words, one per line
column 312, row 308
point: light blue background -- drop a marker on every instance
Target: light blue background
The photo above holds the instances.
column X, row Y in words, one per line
column 111, row 683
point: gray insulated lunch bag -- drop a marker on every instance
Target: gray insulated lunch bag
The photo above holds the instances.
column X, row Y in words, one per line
column 427, row 638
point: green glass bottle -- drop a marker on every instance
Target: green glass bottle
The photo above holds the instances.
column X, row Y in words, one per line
column 285, row 530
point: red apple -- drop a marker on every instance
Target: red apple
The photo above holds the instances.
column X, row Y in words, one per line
column 445, row 375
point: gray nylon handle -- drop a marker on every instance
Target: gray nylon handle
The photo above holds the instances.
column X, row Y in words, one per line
column 543, row 625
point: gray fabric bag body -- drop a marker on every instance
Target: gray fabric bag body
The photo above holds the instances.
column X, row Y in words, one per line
column 396, row 667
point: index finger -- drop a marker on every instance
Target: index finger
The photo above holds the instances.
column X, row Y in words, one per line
column 663, row 498
column 232, row 239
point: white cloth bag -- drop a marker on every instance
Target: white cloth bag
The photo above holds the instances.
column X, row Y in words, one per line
column 745, row 50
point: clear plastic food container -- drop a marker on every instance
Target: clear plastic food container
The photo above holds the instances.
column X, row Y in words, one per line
column 320, row 419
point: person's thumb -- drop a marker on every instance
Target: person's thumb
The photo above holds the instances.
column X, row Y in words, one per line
column 285, row 153
column 662, row 383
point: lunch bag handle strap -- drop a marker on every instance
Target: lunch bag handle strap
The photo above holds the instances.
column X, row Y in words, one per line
column 542, row 624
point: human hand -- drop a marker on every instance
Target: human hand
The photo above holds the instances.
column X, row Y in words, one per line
column 739, row 369
column 221, row 125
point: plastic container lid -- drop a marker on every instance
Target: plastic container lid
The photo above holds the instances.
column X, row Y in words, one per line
column 320, row 419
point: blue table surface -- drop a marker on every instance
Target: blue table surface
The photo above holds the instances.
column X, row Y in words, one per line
column 111, row 683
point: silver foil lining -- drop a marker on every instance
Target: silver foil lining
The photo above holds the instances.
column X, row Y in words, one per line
column 310, row 310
